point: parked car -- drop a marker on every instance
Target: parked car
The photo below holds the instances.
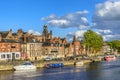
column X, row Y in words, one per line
column 48, row 58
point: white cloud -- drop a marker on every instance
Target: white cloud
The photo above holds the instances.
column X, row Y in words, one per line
column 71, row 20
column 107, row 31
column 83, row 27
column 59, row 22
column 108, row 35
column 68, row 20
column 84, row 19
column 34, row 32
column 52, row 16
column 107, row 18
column 108, row 11
column 111, row 37
column 82, row 12
column 78, row 33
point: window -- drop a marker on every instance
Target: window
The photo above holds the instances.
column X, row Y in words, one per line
column 12, row 46
column 8, row 56
column 17, row 55
column 3, row 56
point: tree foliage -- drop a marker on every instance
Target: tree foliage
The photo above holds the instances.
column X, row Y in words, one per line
column 92, row 41
column 115, row 44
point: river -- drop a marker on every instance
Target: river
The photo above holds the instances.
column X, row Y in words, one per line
column 95, row 71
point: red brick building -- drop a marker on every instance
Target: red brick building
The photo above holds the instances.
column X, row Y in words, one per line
column 75, row 48
column 9, row 51
column 9, row 48
column 22, row 45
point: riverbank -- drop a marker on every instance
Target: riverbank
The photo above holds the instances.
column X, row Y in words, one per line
column 6, row 66
column 94, row 71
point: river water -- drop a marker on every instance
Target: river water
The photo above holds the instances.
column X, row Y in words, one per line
column 95, row 71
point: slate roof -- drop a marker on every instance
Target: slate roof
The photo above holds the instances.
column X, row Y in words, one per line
column 4, row 33
column 14, row 34
column 7, row 40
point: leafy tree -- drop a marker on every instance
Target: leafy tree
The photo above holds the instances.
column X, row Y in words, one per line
column 92, row 41
column 115, row 44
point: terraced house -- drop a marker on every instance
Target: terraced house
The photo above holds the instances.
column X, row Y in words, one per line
column 10, row 44
column 55, row 48
column 9, row 49
column 23, row 45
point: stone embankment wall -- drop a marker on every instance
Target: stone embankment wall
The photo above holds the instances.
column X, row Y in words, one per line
column 40, row 64
column 6, row 67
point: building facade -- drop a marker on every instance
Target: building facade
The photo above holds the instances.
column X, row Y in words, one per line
column 23, row 45
column 9, row 51
column 75, row 48
column 55, row 48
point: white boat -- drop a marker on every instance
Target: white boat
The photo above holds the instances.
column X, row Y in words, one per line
column 26, row 66
column 79, row 63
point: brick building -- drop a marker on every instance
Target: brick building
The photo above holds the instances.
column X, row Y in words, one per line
column 23, row 45
column 55, row 48
column 75, row 48
column 32, row 51
column 9, row 51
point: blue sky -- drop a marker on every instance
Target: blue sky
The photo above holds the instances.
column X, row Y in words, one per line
column 65, row 17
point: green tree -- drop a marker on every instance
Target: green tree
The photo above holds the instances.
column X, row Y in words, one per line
column 92, row 41
column 115, row 44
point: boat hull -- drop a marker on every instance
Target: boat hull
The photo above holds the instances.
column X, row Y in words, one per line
column 26, row 66
column 109, row 58
column 54, row 65
column 80, row 63
column 19, row 68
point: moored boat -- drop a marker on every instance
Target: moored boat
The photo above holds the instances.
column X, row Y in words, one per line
column 109, row 58
column 26, row 66
column 79, row 63
column 54, row 65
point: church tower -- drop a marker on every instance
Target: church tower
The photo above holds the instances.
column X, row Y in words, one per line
column 45, row 34
column 76, row 46
column 45, row 30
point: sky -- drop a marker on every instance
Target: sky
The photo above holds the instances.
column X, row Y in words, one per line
column 65, row 18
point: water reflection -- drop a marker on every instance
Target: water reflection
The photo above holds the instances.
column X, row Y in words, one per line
column 5, row 75
column 24, row 75
column 94, row 71
column 104, row 71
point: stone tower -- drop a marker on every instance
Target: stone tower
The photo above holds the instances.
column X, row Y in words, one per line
column 45, row 30
column 77, row 46
column 45, row 33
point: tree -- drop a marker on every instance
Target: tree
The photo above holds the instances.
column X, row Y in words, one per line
column 115, row 44
column 92, row 41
